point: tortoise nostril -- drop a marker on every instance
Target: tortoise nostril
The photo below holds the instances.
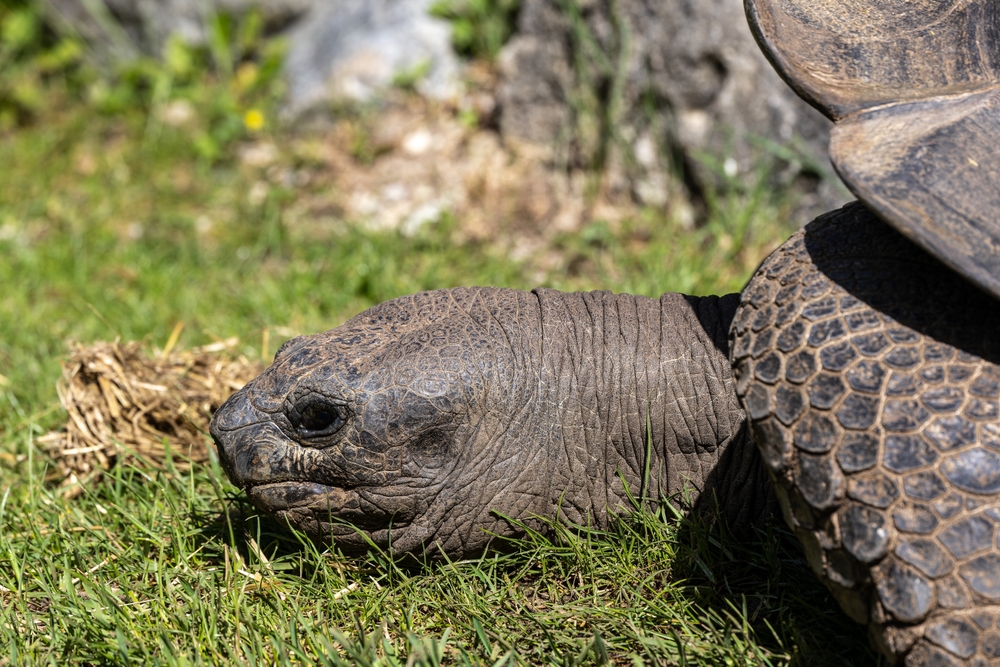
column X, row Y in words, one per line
column 222, row 421
column 213, row 430
column 234, row 413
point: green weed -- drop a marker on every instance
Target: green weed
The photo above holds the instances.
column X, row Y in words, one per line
column 478, row 27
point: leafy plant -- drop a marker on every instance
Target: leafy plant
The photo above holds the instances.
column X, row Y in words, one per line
column 216, row 93
column 410, row 78
column 231, row 83
column 32, row 55
column 479, row 27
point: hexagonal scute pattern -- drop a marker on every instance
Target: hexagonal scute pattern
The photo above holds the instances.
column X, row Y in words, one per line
column 869, row 372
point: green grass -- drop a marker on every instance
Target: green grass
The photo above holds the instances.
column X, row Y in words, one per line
column 116, row 225
column 177, row 569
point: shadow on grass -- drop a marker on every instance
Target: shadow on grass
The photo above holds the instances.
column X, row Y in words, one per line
column 764, row 578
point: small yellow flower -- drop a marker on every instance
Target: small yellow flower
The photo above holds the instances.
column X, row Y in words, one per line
column 253, row 119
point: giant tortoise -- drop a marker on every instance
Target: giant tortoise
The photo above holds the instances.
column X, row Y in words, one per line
column 855, row 379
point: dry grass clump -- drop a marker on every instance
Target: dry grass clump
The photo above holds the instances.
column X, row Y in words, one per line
column 122, row 403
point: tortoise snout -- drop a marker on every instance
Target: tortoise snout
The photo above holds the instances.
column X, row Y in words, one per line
column 256, row 454
column 234, row 428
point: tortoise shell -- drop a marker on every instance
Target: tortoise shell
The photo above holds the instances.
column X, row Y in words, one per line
column 914, row 89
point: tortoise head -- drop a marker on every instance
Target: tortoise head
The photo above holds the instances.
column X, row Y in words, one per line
column 365, row 433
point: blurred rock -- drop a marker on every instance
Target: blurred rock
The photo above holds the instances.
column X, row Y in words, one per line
column 640, row 90
column 611, row 74
column 352, row 48
column 123, row 28
column 258, row 155
column 337, row 48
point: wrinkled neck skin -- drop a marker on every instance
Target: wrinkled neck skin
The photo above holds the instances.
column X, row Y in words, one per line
column 638, row 399
column 462, row 407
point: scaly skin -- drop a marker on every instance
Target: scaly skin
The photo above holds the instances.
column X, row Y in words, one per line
column 869, row 372
column 444, row 410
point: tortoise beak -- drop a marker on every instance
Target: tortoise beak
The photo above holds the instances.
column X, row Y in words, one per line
column 233, row 431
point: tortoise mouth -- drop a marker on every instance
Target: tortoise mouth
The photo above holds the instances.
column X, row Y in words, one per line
column 317, row 508
column 285, row 495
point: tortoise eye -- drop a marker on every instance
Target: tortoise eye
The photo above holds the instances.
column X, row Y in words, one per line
column 317, row 418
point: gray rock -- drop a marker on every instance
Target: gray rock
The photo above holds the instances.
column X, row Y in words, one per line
column 352, row 48
column 688, row 74
column 341, row 48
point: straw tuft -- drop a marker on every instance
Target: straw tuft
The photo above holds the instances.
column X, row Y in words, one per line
column 123, row 404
